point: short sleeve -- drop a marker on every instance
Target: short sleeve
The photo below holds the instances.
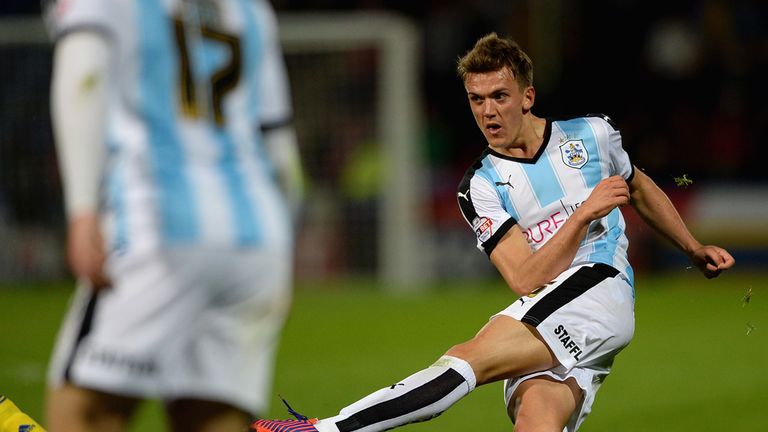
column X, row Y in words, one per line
column 274, row 90
column 620, row 162
column 482, row 208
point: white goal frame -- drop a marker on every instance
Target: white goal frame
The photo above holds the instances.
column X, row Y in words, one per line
column 402, row 233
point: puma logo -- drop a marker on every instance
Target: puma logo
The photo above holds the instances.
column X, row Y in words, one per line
column 506, row 183
column 464, row 195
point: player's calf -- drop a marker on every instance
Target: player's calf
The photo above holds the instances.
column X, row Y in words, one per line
column 422, row 396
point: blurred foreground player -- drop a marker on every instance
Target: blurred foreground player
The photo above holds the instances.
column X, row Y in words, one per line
column 543, row 200
column 180, row 170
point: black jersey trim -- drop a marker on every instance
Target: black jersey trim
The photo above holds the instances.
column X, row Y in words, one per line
column 463, row 191
column 464, row 197
column 602, row 116
column 277, row 124
column 492, row 242
column 577, row 284
column 632, row 172
column 412, row 401
column 535, row 158
column 606, row 119
column 85, row 328
column 90, row 28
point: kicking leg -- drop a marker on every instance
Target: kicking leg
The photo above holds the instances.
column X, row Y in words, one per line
column 543, row 404
column 421, row 396
column 504, row 348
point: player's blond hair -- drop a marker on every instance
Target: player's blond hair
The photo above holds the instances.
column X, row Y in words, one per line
column 492, row 53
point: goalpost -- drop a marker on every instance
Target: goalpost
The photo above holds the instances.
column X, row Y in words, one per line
column 357, row 103
column 391, row 43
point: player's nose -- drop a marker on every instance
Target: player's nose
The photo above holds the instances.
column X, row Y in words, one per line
column 488, row 109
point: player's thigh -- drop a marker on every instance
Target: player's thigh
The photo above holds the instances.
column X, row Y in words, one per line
column 504, row 348
column 544, row 405
column 71, row 408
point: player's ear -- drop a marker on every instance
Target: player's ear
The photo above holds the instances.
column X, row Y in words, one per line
column 529, row 97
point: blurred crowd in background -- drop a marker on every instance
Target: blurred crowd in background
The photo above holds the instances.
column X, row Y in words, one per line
column 684, row 81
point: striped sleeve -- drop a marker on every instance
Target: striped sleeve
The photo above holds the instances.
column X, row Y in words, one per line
column 619, row 159
column 482, row 208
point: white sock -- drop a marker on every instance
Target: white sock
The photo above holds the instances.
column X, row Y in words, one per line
column 421, row 396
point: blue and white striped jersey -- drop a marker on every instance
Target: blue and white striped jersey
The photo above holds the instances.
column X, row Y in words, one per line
column 539, row 194
column 194, row 82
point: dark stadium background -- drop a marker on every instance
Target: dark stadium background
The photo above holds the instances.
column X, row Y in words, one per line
column 685, row 82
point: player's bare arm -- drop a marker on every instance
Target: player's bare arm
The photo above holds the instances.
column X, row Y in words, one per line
column 85, row 249
column 657, row 210
column 525, row 271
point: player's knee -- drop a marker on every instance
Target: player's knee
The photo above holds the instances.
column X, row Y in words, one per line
column 468, row 351
column 462, row 351
column 472, row 350
column 473, row 353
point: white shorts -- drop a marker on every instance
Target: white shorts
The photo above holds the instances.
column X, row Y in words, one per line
column 586, row 317
column 195, row 323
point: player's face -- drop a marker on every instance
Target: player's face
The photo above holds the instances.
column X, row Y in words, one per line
column 499, row 106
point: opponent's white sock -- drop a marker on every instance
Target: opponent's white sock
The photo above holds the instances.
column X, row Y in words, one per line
column 421, row 396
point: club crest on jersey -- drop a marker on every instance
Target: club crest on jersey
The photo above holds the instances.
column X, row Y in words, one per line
column 574, row 153
column 483, row 228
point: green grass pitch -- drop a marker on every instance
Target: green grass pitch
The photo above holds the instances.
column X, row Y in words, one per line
column 698, row 361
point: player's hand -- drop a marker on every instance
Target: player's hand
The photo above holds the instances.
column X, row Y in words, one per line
column 610, row 193
column 712, row 260
column 85, row 250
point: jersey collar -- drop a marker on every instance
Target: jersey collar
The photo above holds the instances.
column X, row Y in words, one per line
column 535, row 158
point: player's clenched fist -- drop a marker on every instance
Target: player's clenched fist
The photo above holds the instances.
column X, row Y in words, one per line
column 610, row 193
column 711, row 260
